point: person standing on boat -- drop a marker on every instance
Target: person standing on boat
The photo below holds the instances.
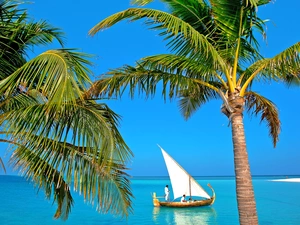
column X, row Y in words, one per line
column 167, row 193
column 183, row 198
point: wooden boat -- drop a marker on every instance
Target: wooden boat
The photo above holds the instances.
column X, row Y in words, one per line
column 183, row 184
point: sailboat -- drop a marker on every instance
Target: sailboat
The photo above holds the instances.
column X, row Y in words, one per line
column 183, row 184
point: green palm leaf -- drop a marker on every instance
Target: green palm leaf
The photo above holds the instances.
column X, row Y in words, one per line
column 213, row 43
column 59, row 168
column 141, row 2
column 283, row 66
column 143, row 80
column 56, row 145
column 183, row 66
column 59, row 74
column 59, row 139
column 18, row 34
column 46, row 177
column 186, row 40
column 191, row 99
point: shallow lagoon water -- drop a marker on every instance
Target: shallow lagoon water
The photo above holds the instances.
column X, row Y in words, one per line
column 278, row 203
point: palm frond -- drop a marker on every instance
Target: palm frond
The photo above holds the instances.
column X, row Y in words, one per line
column 58, row 138
column 58, row 74
column 35, row 169
column 52, row 147
column 141, row 2
column 2, row 165
column 286, row 62
column 199, row 72
column 183, row 66
column 229, row 14
column 292, row 79
column 64, row 166
column 186, row 40
column 144, row 81
column 18, row 34
column 69, row 120
column 39, row 33
column 107, row 187
column 191, row 99
column 257, row 104
column 283, row 66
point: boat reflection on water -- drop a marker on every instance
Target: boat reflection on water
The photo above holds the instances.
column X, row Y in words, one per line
column 184, row 216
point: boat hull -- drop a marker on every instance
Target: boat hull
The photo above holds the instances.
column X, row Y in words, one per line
column 196, row 203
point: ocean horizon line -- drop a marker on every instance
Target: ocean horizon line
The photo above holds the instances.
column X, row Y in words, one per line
column 166, row 176
column 260, row 175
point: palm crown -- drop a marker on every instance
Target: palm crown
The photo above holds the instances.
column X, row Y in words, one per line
column 59, row 138
column 214, row 54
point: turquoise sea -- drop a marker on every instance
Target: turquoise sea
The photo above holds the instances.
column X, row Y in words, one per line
column 278, row 203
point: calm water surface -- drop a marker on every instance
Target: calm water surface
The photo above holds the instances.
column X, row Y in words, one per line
column 278, row 203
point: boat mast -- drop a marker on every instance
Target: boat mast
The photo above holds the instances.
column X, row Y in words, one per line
column 190, row 187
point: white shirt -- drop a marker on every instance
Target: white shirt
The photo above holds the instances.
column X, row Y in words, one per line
column 182, row 199
column 166, row 190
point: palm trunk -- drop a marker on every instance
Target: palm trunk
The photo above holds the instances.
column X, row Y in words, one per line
column 244, row 187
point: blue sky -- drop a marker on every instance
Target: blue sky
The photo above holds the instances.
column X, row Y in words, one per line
column 203, row 144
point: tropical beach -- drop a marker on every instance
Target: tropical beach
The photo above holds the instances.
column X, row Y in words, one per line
column 86, row 101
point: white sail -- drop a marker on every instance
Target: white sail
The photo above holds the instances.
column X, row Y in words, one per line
column 182, row 182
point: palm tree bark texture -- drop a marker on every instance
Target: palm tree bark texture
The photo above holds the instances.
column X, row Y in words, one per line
column 244, row 187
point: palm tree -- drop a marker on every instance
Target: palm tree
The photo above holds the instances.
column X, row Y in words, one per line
column 214, row 54
column 59, row 139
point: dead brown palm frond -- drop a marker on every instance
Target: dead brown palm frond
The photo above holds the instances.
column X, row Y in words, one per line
column 257, row 104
